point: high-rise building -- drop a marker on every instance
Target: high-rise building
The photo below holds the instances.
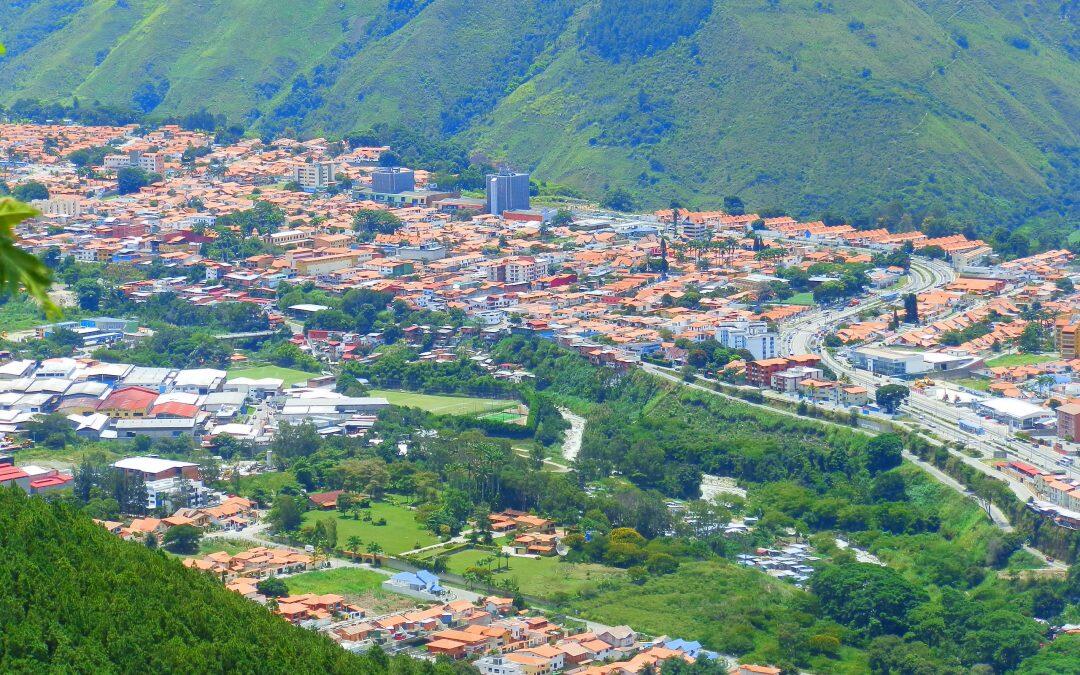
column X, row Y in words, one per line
column 392, row 180
column 315, row 175
column 507, row 191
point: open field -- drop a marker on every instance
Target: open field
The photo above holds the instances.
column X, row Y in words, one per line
column 443, row 405
column 401, row 532
column 540, row 577
column 1008, row 360
column 976, row 383
column 290, row 375
column 804, row 298
column 341, row 580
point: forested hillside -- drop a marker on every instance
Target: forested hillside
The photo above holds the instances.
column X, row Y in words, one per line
column 77, row 597
column 968, row 113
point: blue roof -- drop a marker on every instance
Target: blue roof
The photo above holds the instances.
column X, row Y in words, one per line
column 428, row 578
column 404, row 576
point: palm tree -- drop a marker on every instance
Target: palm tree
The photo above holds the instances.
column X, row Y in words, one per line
column 353, row 544
column 375, row 550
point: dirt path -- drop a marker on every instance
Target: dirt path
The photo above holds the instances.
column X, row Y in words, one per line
column 572, row 441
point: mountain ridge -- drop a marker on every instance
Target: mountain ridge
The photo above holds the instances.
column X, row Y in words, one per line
column 916, row 106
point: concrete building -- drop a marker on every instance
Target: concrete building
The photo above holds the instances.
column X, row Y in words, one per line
column 155, row 468
column 1068, row 422
column 753, row 336
column 507, row 190
column 392, row 180
column 518, row 270
column 315, row 175
column 1016, row 413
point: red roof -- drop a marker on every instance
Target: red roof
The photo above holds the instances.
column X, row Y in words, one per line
column 129, row 398
column 51, row 481
column 175, row 409
column 1024, row 467
column 9, row 472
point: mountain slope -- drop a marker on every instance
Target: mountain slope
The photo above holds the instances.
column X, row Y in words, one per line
column 78, row 596
column 807, row 106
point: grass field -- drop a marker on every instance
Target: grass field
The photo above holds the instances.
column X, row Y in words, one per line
column 290, row 375
column 541, row 577
column 20, row 313
column 443, row 405
column 342, row 580
column 401, row 532
column 976, row 383
column 805, row 298
column 1009, row 360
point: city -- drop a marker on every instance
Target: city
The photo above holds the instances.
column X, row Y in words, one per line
column 228, row 304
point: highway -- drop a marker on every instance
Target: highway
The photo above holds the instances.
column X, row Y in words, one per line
column 939, row 417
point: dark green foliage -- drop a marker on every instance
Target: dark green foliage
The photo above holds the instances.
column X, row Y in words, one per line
column 273, row 587
column 182, row 539
column 132, row 179
column 890, row 396
column 29, row 191
column 884, row 452
column 632, row 29
column 871, row 599
column 79, row 596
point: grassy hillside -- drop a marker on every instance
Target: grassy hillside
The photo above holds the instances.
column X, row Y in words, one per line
column 78, row 596
column 854, row 108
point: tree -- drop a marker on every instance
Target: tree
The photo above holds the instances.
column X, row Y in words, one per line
column 376, row 221
column 272, row 587
column 734, row 205
column 132, row 179
column 890, row 396
column 183, row 539
column 353, row 544
column 884, row 452
column 30, row 190
column 617, row 200
column 870, row 599
column 88, row 291
column 911, row 308
column 285, row 515
column 1031, row 339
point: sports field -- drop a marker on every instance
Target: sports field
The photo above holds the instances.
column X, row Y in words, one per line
column 290, row 375
column 1009, row 360
column 541, row 577
column 443, row 405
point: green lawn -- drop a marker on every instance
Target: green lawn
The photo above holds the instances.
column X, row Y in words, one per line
column 342, row 581
column 1009, row 360
column 541, row 577
column 401, row 532
column 976, row 383
column 804, row 298
column 443, row 405
column 290, row 375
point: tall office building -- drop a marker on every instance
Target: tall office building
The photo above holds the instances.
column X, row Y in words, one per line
column 392, row 180
column 507, row 191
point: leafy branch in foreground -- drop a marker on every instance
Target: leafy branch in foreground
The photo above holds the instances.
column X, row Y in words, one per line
column 20, row 270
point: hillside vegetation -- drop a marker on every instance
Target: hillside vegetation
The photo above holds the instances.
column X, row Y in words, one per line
column 78, row 596
column 859, row 108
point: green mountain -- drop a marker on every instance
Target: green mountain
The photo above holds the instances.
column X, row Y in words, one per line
column 860, row 108
column 79, row 599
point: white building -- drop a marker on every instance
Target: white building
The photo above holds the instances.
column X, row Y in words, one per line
column 753, row 336
column 315, row 175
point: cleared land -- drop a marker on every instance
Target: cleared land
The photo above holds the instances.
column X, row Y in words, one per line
column 290, row 375
column 540, row 577
column 444, row 405
column 401, row 532
column 1009, row 360
column 341, row 580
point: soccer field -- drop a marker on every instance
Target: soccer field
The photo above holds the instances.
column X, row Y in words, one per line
column 443, row 405
column 290, row 375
